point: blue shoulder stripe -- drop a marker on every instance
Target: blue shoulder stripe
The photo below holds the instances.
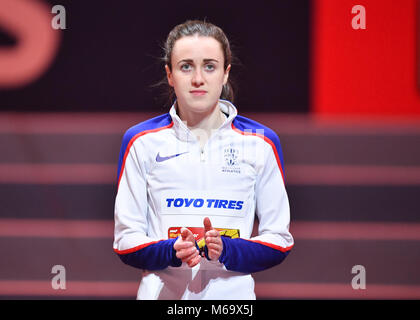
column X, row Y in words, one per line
column 148, row 125
column 247, row 125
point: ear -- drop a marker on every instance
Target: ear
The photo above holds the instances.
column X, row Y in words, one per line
column 169, row 75
column 226, row 75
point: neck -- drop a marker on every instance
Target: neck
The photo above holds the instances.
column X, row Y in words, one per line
column 209, row 120
column 202, row 124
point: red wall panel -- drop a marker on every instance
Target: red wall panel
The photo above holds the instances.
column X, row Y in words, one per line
column 370, row 71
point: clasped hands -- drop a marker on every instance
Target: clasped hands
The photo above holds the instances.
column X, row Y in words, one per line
column 187, row 251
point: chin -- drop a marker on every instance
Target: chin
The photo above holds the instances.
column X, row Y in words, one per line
column 201, row 106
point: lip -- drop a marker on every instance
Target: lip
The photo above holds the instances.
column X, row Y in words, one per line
column 198, row 92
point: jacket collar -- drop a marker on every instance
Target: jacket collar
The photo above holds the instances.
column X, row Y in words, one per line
column 184, row 133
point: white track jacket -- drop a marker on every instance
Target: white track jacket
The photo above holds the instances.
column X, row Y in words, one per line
column 167, row 181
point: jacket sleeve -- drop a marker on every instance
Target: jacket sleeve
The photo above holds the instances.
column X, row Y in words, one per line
column 274, row 241
column 131, row 241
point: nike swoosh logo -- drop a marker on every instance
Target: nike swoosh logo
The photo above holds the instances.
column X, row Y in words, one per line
column 160, row 159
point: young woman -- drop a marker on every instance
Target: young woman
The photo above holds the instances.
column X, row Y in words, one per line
column 191, row 181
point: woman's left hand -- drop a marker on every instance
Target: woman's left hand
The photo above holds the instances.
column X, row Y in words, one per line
column 213, row 240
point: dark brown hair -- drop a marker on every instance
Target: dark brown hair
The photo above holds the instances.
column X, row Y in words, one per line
column 205, row 29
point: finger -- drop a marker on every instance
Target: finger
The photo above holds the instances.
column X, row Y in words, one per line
column 212, row 233
column 193, row 262
column 186, row 233
column 212, row 236
column 214, row 246
column 213, row 240
column 189, row 257
column 182, row 244
column 214, row 254
column 185, row 253
column 207, row 225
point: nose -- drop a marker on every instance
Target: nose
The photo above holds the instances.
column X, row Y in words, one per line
column 197, row 79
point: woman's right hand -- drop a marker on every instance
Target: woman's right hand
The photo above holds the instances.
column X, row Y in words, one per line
column 185, row 248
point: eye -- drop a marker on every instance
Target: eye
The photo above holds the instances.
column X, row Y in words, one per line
column 186, row 67
column 209, row 67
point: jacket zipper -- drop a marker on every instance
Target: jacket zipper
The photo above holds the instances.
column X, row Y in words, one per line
column 202, row 159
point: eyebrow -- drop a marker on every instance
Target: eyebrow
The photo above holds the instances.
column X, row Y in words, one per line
column 191, row 60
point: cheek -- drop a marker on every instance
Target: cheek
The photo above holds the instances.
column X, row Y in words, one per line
column 179, row 82
column 220, row 82
column 223, row 78
column 217, row 80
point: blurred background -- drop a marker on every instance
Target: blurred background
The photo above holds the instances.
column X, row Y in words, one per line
column 338, row 83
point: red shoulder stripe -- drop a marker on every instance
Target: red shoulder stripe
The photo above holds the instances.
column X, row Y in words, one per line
column 138, row 135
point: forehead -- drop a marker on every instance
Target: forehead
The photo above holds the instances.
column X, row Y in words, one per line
column 197, row 47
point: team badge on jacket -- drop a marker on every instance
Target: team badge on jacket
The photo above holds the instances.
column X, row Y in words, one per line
column 231, row 161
